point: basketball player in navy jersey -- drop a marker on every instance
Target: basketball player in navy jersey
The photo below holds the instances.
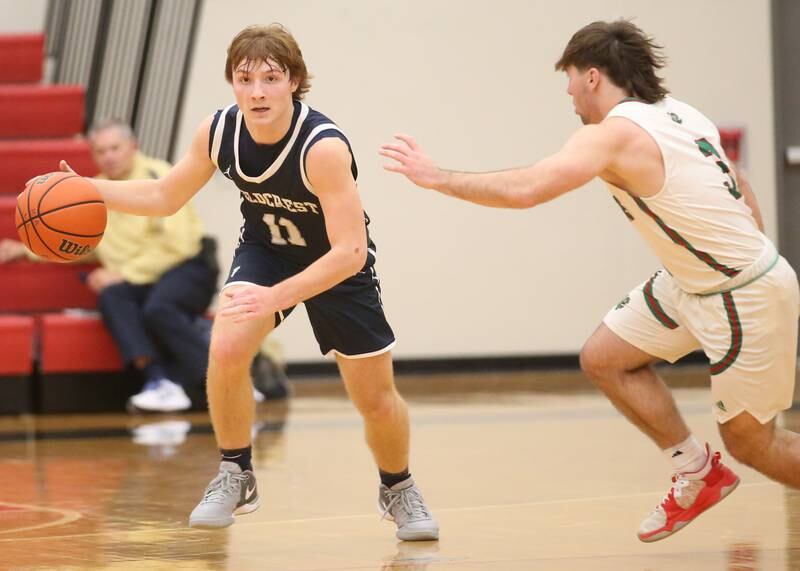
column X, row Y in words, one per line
column 304, row 240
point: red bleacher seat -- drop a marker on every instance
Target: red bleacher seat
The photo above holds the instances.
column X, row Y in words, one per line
column 21, row 58
column 22, row 160
column 16, row 335
column 39, row 286
column 76, row 344
column 7, row 206
column 28, row 111
column 39, row 126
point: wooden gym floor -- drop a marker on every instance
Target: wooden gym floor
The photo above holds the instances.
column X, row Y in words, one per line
column 537, row 473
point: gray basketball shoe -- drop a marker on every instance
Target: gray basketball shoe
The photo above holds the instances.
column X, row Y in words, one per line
column 231, row 492
column 403, row 504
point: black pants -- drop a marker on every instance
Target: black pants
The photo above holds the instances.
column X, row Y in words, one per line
column 159, row 321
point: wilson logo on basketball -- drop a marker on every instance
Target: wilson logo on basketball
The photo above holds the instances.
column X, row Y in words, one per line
column 70, row 247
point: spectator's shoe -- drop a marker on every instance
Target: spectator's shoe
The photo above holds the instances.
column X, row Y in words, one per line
column 403, row 504
column 160, row 396
column 269, row 378
column 232, row 492
column 691, row 494
column 165, row 433
column 258, row 396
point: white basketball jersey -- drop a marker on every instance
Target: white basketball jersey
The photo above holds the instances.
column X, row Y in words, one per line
column 697, row 224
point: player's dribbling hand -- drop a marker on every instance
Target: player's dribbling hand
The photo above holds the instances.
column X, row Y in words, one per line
column 248, row 302
column 411, row 161
column 62, row 166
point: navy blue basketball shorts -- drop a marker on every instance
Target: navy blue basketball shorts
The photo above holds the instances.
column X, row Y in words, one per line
column 347, row 319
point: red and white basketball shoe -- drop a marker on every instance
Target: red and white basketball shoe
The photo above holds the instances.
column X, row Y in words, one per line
column 691, row 494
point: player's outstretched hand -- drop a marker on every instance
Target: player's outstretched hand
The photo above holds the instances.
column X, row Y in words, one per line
column 248, row 302
column 410, row 160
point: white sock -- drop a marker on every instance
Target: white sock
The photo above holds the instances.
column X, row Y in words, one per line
column 688, row 456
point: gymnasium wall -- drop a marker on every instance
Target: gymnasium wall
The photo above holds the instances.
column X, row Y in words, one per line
column 474, row 82
column 22, row 16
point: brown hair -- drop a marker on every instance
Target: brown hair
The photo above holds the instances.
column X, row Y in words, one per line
column 274, row 42
column 623, row 52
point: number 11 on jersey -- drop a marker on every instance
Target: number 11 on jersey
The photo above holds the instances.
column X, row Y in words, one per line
column 294, row 237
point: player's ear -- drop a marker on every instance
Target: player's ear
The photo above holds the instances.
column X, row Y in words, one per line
column 593, row 77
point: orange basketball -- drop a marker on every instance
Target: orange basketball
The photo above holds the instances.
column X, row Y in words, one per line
column 60, row 216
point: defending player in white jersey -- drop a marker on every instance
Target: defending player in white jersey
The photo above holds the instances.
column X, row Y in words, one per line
column 723, row 287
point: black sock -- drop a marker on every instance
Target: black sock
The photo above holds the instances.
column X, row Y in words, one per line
column 241, row 456
column 388, row 479
column 154, row 372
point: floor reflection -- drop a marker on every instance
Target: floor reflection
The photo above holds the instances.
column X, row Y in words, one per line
column 743, row 557
column 522, row 481
column 413, row 556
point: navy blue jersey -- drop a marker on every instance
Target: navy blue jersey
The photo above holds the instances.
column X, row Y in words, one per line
column 279, row 206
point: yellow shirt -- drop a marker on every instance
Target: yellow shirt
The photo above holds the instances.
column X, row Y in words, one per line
column 142, row 248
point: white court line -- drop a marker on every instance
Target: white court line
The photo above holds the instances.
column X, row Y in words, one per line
column 372, row 515
column 659, row 493
column 67, row 516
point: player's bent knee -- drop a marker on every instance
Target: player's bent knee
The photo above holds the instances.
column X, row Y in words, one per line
column 593, row 362
column 746, row 439
column 376, row 406
column 587, row 362
column 228, row 351
column 742, row 451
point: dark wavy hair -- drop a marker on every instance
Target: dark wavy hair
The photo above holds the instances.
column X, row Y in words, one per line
column 623, row 52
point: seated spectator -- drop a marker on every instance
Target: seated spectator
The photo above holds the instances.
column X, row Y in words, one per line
column 157, row 278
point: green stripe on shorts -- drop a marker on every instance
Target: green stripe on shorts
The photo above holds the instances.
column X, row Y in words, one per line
column 736, row 336
column 655, row 306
